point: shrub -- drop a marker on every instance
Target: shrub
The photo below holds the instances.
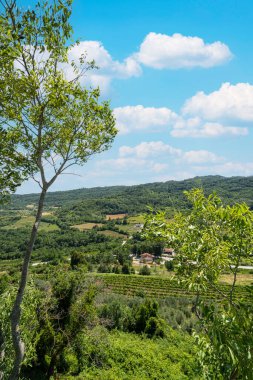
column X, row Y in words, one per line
column 116, row 269
column 155, row 327
column 125, row 269
column 103, row 268
column 145, row 271
column 169, row 265
column 77, row 258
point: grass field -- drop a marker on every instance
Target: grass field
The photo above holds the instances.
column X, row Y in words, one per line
column 28, row 221
column 86, row 226
column 135, row 219
column 113, row 234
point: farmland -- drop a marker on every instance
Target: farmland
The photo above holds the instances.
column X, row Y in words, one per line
column 157, row 287
column 28, row 221
column 86, row 226
column 115, row 216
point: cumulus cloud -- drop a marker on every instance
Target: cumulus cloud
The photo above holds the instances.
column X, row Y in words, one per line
column 229, row 102
column 200, row 156
column 94, row 50
column 158, row 149
column 151, row 119
column 108, row 67
column 131, row 164
column 149, row 149
column 158, row 51
column 161, row 51
column 137, row 118
column 202, row 129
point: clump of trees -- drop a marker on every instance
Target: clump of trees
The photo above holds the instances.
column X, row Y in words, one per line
column 210, row 239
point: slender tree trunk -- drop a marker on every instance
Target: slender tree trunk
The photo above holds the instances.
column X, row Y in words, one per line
column 18, row 344
column 2, row 353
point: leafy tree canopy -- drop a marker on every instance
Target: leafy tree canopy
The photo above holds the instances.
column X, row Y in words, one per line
column 55, row 122
column 210, row 239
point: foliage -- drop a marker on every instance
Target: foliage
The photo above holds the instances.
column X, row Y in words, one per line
column 29, row 326
column 50, row 114
column 72, row 329
column 169, row 265
column 13, row 164
column 125, row 269
column 210, row 239
column 128, row 356
column 96, row 202
column 145, row 271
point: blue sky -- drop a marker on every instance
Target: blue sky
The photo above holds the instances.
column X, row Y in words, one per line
column 180, row 80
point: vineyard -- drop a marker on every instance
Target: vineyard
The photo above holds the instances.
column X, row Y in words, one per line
column 155, row 287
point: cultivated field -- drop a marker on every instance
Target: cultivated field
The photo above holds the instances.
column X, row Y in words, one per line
column 27, row 222
column 86, row 226
column 113, row 234
column 115, row 216
column 156, row 287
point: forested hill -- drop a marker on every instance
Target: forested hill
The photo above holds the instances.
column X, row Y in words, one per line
column 134, row 199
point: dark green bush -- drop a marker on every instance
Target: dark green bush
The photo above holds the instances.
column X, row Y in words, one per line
column 145, row 271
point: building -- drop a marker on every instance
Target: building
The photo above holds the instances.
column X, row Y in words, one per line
column 169, row 252
column 147, row 258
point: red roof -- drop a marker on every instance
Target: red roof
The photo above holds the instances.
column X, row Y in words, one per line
column 143, row 255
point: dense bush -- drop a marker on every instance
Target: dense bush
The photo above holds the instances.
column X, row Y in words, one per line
column 169, row 265
column 145, row 271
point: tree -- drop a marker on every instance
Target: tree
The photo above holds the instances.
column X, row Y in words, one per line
column 210, row 239
column 169, row 265
column 13, row 165
column 145, row 271
column 55, row 121
column 125, row 269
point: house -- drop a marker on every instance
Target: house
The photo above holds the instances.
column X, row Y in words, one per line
column 169, row 252
column 147, row 258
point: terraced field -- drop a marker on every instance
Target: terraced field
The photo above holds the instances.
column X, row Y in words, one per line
column 155, row 287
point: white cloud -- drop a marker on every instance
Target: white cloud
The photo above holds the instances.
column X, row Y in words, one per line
column 230, row 102
column 151, row 119
column 158, row 149
column 161, row 51
column 137, row 118
column 94, row 50
column 149, row 149
column 200, row 156
column 202, row 129
column 131, row 164
column 158, row 51
column 108, row 67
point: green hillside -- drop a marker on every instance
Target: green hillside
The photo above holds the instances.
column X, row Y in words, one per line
column 94, row 203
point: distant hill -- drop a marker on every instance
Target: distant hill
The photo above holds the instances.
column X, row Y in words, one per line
column 98, row 201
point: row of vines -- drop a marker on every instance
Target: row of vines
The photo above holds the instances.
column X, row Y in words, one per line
column 155, row 287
